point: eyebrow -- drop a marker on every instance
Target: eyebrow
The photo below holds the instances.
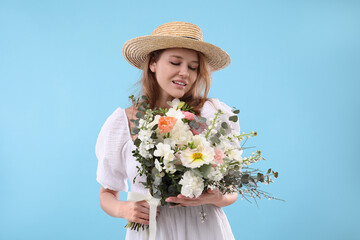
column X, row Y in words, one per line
column 182, row 58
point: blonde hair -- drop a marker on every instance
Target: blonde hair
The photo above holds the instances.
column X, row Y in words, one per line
column 195, row 97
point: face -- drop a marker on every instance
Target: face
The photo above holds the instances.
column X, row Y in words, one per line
column 176, row 71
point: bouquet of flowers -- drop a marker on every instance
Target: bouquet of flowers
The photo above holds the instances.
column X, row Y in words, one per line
column 180, row 153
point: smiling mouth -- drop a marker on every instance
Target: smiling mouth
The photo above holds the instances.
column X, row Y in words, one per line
column 179, row 83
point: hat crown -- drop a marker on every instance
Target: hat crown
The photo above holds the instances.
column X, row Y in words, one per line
column 179, row 29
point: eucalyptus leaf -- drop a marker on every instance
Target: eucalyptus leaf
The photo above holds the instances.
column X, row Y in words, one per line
column 252, row 182
column 260, row 177
column 134, row 130
column 197, row 172
column 153, row 135
column 154, row 127
column 157, row 181
column 245, row 178
column 233, row 118
column 224, row 125
column 194, row 125
column 215, row 140
column 137, row 142
column 148, row 163
column 200, row 119
column 141, row 108
column 222, row 131
column 237, row 111
column 137, row 122
column 139, row 114
column 205, row 169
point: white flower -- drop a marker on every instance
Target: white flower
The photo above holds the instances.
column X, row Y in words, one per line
column 164, row 151
column 155, row 121
column 143, row 151
column 169, row 168
column 236, row 155
column 180, row 134
column 158, row 165
column 194, row 158
column 192, row 185
column 174, row 103
column 200, row 141
column 175, row 113
column 144, row 135
column 215, row 175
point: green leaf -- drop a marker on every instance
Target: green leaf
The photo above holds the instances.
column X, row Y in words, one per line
column 134, row 130
column 269, row 171
column 260, row 177
column 139, row 114
column 215, row 140
column 233, row 118
column 222, row 131
column 224, row 125
column 236, row 111
column 137, row 142
column 154, row 127
column 153, row 135
column 245, row 178
column 205, row 169
column 141, row 108
column 137, row 122
column 144, row 97
column 276, row 174
column 197, row 172
column 200, row 119
column 194, row 125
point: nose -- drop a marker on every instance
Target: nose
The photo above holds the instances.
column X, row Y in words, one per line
column 184, row 71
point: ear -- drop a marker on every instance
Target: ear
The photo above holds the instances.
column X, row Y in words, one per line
column 152, row 66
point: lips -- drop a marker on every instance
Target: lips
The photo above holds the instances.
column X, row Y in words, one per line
column 180, row 82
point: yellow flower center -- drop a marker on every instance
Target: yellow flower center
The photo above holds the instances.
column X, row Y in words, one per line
column 197, row 157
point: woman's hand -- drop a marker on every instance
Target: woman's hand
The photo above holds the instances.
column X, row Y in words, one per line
column 209, row 197
column 138, row 212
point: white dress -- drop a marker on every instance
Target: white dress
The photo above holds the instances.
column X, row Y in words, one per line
column 116, row 164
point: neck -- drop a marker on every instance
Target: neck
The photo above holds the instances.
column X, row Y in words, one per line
column 162, row 101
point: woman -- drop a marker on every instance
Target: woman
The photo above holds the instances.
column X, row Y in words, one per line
column 176, row 63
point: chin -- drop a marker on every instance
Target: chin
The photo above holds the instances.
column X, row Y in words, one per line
column 177, row 95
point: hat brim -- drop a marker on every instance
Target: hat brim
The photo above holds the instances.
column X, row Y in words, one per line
column 137, row 49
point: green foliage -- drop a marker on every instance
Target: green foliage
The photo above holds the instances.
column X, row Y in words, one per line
column 193, row 124
column 234, row 118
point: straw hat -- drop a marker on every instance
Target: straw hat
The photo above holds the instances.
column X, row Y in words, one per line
column 174, row 35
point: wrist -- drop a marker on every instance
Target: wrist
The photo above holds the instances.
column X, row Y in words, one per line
column 121, row 208
column 219, row 200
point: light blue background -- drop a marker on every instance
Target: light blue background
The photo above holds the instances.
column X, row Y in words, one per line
column 294, row 75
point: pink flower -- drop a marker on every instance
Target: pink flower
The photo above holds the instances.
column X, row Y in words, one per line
column 188, row 115
column 194, row 132
column 166, row 124
column 219, row 155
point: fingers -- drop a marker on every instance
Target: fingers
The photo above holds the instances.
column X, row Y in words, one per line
column 140, row 212
column 184, row 201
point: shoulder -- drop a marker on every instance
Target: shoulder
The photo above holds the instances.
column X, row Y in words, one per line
column 115, row 126
column 116, row 117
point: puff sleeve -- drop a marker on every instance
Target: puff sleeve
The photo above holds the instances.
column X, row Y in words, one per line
column 109, row 149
